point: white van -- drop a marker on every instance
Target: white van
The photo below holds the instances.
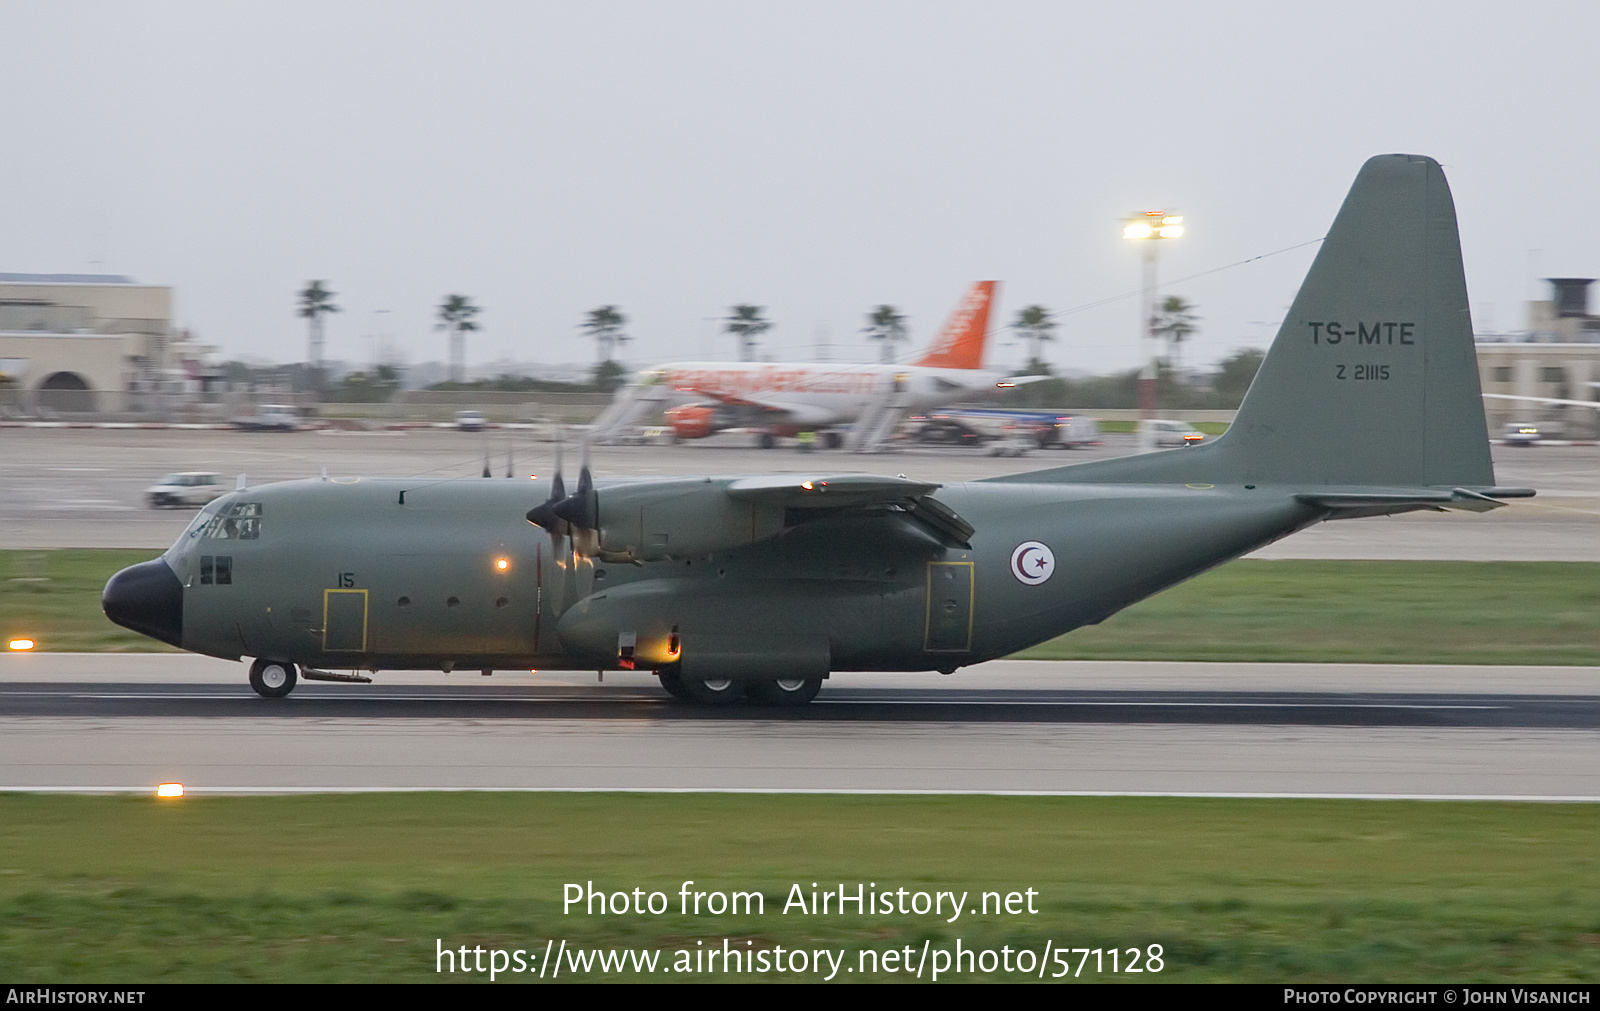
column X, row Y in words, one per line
column 1171, row 433
column 188, row 489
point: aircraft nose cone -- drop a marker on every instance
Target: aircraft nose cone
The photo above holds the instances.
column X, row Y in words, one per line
column 147, row 598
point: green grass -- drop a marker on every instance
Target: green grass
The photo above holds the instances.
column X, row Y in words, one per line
column 1352, row 611
column 54, row 598
column 1359, row 612
column 358, row 887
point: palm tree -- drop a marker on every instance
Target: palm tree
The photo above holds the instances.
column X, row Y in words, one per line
column 888, row 326
column 746, row 324
column 605, row 326
column 1176, row 322
column 1036, row 327
column 315, row 303
column 455, row 315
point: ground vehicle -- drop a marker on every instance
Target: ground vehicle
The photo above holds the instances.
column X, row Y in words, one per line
column 1520, row 434
column 471, row 421
column 1166, row 434
column 192, row 488
column 270, row 418
column 966, row 426
column 1073, row 431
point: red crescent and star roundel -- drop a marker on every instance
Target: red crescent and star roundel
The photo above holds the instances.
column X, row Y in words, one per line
column 1032, row 563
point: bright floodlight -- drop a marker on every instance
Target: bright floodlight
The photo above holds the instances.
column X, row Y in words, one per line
column 21, row 644
column 1153, row 225
column 169, row 790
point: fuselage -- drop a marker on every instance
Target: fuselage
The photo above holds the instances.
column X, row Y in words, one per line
column 352, row 574
column 810, row 395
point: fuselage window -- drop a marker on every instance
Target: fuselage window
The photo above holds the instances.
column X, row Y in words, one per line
column 224, row 570
column 206, row 570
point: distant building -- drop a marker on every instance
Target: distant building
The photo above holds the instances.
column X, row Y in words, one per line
column 84, row 342
column 1557, row 356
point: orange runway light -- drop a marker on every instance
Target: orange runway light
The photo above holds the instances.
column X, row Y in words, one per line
column 21, row 644
column 169, row 790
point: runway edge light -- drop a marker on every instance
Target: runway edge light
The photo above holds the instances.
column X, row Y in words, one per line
column 169, row 790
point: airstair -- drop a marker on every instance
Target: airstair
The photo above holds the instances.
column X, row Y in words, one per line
column 878, row 420
column 631, row 403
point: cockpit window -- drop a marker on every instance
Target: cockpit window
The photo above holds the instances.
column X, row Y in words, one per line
column 239, row 521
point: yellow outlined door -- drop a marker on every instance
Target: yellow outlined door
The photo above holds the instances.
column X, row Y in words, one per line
column 344, row 621
column 950, row 601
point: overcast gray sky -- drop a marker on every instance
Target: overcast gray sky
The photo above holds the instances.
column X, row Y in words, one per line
column 816, row 158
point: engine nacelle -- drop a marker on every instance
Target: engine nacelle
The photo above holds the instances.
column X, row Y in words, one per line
column 681, row 519
column 692, row 421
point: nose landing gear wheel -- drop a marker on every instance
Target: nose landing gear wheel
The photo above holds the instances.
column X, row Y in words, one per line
column 716, row 692
column 784, row 691
column 272, row 679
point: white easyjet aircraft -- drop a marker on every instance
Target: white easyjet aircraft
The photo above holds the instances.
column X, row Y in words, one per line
column 783, row 399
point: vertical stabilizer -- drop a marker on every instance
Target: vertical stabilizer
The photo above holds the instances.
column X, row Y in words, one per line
column 1372, row 380
column 961, row 341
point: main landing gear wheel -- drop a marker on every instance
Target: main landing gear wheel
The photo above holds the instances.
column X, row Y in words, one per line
column 784, row 691
column 717, row 692
column 766, row 440
column 272, row 679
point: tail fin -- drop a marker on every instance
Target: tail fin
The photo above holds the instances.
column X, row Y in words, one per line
column 960, row 343
column 1373, row 378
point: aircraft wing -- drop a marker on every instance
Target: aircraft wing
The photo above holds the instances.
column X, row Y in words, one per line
column 1010, row 381
column 855, row 492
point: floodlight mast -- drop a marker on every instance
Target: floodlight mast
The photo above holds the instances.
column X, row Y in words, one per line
column 1149, row 228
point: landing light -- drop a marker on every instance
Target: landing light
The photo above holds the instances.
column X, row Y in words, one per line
column 169, row 790
column 21, row 644
column 502, row 564
column 806, row 485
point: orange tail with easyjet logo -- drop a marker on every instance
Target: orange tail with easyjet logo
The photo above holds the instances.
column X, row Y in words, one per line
column 960, row 344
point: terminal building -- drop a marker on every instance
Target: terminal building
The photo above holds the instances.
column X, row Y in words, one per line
column 1556, row 357
column 81, row 343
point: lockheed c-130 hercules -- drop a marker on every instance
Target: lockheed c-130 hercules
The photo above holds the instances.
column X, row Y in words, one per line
column 759, row 587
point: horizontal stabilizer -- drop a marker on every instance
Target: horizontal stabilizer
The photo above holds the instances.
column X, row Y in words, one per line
column 1380, row 501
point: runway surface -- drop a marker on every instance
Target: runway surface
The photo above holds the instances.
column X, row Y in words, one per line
column 83, row 487
column 81, row 722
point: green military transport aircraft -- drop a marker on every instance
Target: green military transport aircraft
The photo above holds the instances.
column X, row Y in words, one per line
column 758, row 587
